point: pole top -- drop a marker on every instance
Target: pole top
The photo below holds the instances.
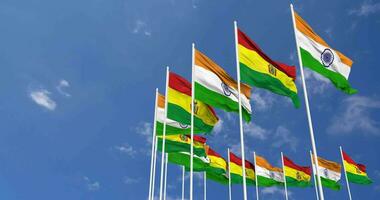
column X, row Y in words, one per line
column 156, row 90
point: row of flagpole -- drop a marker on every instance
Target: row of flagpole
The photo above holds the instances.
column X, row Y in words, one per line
column 162, row 193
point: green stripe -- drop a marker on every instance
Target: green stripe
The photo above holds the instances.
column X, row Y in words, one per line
column 337, row 79
column 219, row 178
column 173, row 146
column 354, row 178
column 178, row 114
column 267, row 182
column 184, row 160
column 237, row 179
column 330, row 184
column 171, row 130
column 292, row 182
column 265, row 81
column 217, row 100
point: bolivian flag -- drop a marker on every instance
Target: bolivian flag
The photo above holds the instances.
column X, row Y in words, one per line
column 172, row 127
column 218, row 89
column 182, row 143
column 217, row 168
column 236, row 170
column 356, row 173
column 330, row 173
column 297, row 176
column 267, row 175
column 179, row 105
column 257, row 69
column 317, row 55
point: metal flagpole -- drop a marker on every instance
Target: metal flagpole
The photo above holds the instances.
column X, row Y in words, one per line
column 192, row 122
column 204, row 186
column 345, row 173
column 240, row 112
column 283, row 173
column 164, row 134
column 315, row 181
column 257, row 181
column 307, row 107
column 229, row 176
column 166, row 174
column 183, row 182
column 153, row 145
column 154, row 167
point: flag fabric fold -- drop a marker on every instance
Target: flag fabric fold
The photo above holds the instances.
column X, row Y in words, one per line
column 356, row 173
column 236, row 170
column 217, row 168
column 296, row 176
column 330, row 173
column 267, row 175
column 182, row 143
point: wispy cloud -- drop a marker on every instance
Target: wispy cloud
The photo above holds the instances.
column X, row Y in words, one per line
column 140, row 27
column 218, row 127
column 146, row 130
column 41, row 97
column 61, row 86
column 283, row 137
column 316, row 83
column 91, row 185
column 274, row 190
column 126, row 149
column 256, row 131
column 356, row 115
column 262, row 100
column 365, row 9
column 130, row 180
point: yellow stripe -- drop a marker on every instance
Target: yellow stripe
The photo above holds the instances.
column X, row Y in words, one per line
column 304, row 28
column 298, row 175
column 236, row 169
column 254, row 61
column 353, row 169
column 183, row 139
column 184, row 101
column 217, row 162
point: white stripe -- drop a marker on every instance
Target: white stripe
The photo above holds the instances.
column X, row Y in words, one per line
column 328, row 174
column 204, row 159
column 275, row 175
column 169, row 122
column 316, row 49
column 211, row 81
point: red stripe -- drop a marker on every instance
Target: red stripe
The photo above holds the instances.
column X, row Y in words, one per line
column 250, row 44
column 180, row 84
column 211, row 152
column 349, row 160
column 291, row 164
column 237, row 160
column 198, row 138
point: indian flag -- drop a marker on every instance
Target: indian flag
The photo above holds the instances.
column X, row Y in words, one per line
column 267, row 175
column 236, row 170
column 182, row 143
column 172, row 127
column 216, row 88
column 258, row 69
column 297, row 176
column 179, row 105
column 217, row 168
column 329, row 172
column 317, row 55
column 356, row 173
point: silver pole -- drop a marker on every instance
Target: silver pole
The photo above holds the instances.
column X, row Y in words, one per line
column 192, row 123
column 153, row 145
column 229, row 176
column 283, row 173
column 345, row 173
column 315, row 180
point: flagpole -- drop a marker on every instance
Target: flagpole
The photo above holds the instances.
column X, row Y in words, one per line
column 229, row 176
column 283, row 173
column 183, row 182
column 164, row 134
column 154, row 167
column 345, row 173
column 204, row 185
column 192, row 122
column 153, row 144
column 315, row 181
column 307, row 108
column 166, row 174
column 257, row 181
column 240, row 112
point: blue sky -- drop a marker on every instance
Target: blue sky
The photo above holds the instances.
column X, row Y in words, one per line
column 78, row 80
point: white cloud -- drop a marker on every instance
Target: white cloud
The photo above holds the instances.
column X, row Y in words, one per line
column 274, row 190
column 41, row 97
column 141, row 27
column 328, row 32
column 145, row 129
column 126, row 149
column 316, row 83
column 130, row 180
column 255, row 131
column 91, row 185
column 60, row 87
column 283, row 137
column 365, row 9
column 356, row 115
column 218, row 127
column 262, row 100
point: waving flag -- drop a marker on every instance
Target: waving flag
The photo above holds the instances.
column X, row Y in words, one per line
column 215, row 87
column 267, row 175
column 182, row 143
column 330, row 173
column 297, row 176
column 179, row 105
column 236, row 170
column 356, row 173
column 257, row 69
column 317, row 55
column 217, row 168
